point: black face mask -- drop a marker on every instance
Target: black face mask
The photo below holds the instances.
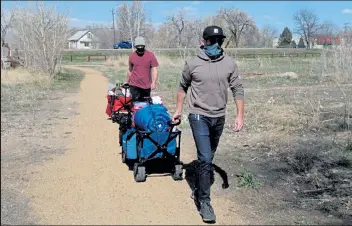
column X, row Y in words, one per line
column 140, row 50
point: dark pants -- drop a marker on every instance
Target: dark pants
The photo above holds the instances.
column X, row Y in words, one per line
column 138, row 94
column 206, row 133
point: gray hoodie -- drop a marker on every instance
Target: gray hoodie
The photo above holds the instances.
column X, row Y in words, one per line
column 207, row 81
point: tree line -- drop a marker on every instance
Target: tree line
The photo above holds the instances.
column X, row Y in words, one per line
column 178, row 31
column 42, row 33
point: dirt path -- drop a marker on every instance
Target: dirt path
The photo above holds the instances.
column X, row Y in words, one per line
column 90, row 185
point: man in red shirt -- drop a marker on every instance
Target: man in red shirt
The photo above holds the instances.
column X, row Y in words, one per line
column 142, row 72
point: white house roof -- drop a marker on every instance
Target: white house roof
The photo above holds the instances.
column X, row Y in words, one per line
column 78, row 35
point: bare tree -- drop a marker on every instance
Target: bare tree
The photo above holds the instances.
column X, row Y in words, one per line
column 346, row 34
column 165, row 36
column 252, row 38
column 131, row 20
column 6, row 22
column 306, row 25
column 328, row 28
column 41, row 33
column 149, row 34
column 267, row 35
column 197, row 27
column 178, row 22
column 104, row 35
column 237, row 22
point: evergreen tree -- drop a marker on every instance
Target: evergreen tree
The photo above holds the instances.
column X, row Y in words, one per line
column 293, row 44
column 301, row 43
column 285, row 38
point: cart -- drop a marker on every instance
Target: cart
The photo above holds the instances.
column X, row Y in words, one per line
column 139, row 146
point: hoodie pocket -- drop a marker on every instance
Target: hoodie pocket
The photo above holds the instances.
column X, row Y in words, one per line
column 210, row 101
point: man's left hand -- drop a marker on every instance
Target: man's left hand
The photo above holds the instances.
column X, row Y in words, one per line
column 238, row 124
column 153, row 86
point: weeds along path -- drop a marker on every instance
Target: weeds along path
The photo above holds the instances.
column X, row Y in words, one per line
column 90, row 185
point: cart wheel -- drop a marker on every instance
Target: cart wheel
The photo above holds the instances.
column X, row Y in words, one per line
column 123, row 156
column 178, row 172
column 139, row 173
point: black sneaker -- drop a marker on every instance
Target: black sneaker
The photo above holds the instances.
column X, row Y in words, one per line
column 207, row 212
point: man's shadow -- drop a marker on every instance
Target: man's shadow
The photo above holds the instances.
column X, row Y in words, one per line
column 190, row 174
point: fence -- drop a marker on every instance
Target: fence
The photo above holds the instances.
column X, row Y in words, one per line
column 99, row 57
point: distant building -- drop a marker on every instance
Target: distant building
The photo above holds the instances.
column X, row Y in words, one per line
column 83, row 40
column 325, row 40
column 275, row 42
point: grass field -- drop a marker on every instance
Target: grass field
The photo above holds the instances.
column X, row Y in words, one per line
column 99, row 55
column 257, row 72
column 296, row 145
column 291, row 163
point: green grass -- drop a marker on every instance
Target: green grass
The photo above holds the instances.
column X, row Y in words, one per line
column 247, row 179
column 67, row 79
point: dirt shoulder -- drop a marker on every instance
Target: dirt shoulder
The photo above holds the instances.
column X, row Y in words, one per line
column 30, row 115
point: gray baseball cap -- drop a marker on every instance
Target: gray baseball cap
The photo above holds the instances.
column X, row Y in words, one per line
column 139, row 41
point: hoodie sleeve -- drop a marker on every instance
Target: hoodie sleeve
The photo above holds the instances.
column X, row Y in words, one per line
column 236, row 85
column 185, row 80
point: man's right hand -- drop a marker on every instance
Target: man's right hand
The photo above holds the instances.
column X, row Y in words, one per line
column 177, row 117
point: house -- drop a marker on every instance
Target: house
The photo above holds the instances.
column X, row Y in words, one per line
column 83, row 40
column 326, row 40
column 275, row 42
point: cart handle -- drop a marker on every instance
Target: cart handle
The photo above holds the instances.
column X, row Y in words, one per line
column 125, row 85
column 171, row 123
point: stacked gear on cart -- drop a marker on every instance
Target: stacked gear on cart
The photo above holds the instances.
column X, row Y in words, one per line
column 147, row 133
column 119, row 107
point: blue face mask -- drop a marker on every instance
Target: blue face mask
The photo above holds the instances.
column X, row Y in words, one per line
column 212, row 50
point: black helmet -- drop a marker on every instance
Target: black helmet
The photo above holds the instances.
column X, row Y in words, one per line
column 213, row 31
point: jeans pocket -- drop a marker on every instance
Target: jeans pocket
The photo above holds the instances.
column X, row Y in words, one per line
column 194, row 117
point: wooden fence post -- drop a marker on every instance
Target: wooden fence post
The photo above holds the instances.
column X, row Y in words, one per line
column 88, row 58
column 71, row 58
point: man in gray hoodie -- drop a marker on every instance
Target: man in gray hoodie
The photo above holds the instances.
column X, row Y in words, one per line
column 205, row 80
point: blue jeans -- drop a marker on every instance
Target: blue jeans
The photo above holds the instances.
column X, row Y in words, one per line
column 206, row 133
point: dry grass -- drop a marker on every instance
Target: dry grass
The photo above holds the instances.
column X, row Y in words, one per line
column 24, row 76
column 121, row 62
column 337, row 63
column 302, row 135
column 117, row 61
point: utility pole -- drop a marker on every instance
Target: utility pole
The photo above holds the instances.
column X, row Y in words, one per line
column 113, row 24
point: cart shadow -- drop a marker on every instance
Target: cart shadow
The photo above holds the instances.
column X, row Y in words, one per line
column 161, row 167
column 155, row 167
column 190, row 174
